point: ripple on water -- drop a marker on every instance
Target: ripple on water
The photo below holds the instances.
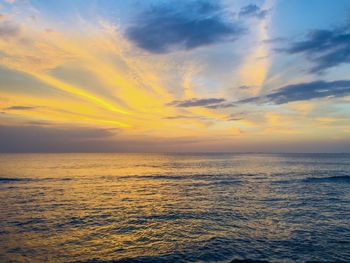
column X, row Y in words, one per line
column 175, row 208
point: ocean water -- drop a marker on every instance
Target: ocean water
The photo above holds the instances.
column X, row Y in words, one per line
column 174, row 207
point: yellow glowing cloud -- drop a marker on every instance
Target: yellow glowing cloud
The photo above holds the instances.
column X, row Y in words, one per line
column 255, row 66
column 76, row 91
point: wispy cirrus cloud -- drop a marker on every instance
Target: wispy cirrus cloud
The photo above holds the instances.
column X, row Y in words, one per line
column 184, row 25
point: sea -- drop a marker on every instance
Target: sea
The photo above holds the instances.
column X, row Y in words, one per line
column 128, row 207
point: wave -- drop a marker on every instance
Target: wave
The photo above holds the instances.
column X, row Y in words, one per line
column 330, row 179
column 248, row 261
column 160, row 259
column 10, row 180
column 14, row 180
column 229, row 177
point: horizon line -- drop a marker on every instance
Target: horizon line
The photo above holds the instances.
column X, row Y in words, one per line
column 161, row 152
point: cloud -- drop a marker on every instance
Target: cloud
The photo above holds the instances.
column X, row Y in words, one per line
column 182, row 25
column 34, row 138
column 274, row 40
column 210, row 103
column 305, row 91
column 3, row 17
column 221, row 105
column 85, row 139
column 324, row 48
column 179, row 117
column 38, row 123
column 8, row 29
column 252, row 11
column 245, row 87
column 76, row 133
column 20, row 108
column 196, row 102
column 234, row 118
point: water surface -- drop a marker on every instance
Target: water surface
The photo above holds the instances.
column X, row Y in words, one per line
column 174, row 207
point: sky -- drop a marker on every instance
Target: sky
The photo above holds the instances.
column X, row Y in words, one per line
column 174, row 76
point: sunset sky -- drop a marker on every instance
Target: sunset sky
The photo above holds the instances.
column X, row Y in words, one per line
column 165, row 76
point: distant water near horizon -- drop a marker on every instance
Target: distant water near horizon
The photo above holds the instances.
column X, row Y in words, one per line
column 174, row 207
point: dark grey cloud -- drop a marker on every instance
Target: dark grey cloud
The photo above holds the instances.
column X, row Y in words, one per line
column 55, row 139
column 209, row 103
column 182, row 25
column 52, row 138
column 34, row 138
column 304, row 91
column 252, row 11
column 54, row 131
column 20, row 108
column 221, row 105
column 289, row 93
column 196, row 102
column 324, row 48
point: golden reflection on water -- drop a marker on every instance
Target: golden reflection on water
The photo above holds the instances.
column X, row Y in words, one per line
column 67, row 207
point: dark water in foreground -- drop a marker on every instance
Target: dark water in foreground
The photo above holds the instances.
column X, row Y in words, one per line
column 174, row 207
